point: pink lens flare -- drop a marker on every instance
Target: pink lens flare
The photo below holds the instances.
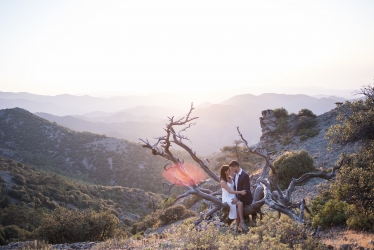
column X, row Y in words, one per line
column 185, row 174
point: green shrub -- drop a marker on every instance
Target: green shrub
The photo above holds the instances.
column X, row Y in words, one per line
column 164, row 217
column 6, row 201
column 303, row 138
column 175, row 213
column 292, row 165
column 360, row 219
column 150, row 221
column 306, row 122
column 170, row 201
column 19, row 179
column 2, row 236
column 280, row 112
column 189, row 202
column 306, row 112
column 282, row 126
column 64, row 225
column 330, row 213
column 307, row 132
column 14, row 233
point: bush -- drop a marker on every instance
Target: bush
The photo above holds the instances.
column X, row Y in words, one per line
column 169, row 202
column 149, row 221
column 19, row 180
column 306, row 112
column 282, row 126
column 292, row 165
column 6, row 201
column 189, row 202
column 360, row 219
column 65, row 226
column 307, row 132
column 306, row 122
column 303, row 138
column 282, row 117
column 330, row 213
column 2, row 236
column 14, row 233
column 280, row 112
column 175, row 213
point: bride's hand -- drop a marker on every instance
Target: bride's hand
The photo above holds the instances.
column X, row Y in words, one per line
column 243, row 192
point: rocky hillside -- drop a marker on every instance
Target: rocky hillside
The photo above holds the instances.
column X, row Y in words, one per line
column 299, row 132
column 24, row 185
column 94, row 158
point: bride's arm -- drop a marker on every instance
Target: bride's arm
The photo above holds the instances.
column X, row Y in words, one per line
column 224, row 185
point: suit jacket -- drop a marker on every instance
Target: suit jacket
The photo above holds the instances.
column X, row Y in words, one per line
column 244, row 184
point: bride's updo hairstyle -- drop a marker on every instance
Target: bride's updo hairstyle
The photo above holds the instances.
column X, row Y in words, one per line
column 222, row 174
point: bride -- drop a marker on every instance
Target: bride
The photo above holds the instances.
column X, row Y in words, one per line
column 228, row 193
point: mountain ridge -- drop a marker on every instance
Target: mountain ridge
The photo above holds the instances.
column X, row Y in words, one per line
column 96, row 158
column 67, row 104
column 216, row 125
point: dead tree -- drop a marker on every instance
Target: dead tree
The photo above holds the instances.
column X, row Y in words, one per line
column 265, row 191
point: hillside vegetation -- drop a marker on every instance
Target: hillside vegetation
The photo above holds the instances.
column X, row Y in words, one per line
column 350, row 199
column 90, row 157
column 27, row 195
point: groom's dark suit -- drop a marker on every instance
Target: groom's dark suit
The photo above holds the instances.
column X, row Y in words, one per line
column 244, row 184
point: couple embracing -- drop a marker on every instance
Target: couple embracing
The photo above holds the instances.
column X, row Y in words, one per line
column 236, row 192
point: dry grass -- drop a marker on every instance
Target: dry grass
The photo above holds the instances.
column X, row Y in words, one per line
column 337, row 237
column 145, row 243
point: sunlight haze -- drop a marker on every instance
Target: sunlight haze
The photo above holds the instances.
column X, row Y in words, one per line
column 212, row 48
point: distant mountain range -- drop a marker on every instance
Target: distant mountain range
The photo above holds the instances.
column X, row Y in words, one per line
column 134, row 117
column 216, row 126
column 62, row 105
column 76, row 105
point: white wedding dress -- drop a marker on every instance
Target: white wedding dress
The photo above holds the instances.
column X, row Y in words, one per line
column 227, row 197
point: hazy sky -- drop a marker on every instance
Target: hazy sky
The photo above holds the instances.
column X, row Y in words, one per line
column 140, row 47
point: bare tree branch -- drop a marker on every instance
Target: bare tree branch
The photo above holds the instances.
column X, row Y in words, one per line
column 207, row 215
column 185, row 194
column 170, row 186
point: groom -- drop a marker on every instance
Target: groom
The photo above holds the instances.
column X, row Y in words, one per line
column 242, row 182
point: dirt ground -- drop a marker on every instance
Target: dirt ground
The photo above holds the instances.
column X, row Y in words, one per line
column 339, row 236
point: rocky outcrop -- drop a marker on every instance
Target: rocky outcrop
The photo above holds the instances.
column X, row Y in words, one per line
column 316, row 146
column 268, row 122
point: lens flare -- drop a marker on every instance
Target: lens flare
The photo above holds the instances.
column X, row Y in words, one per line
column 185, row 174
